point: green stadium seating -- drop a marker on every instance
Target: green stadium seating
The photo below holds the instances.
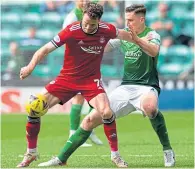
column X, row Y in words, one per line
column 42, row 71
column 45, row 34
column 51, row 19
column 18, row 8
column 162, row 56
column 23, row 33
column 8, row 35
column 31, row 19
column 12, row 19
column 16, row 19
column 176, row 59
column 188, row 29
column 179, row 53
column 186, row 4
column 56, row 60
column 5, row 56
column 110, row 17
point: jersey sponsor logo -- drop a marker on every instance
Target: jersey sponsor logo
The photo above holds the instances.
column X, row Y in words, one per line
column 56, row 39
column 102, row 39
column 92, row 49
column 133, row 52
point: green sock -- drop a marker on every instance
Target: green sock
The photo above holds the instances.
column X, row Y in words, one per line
column 75, row 116
column 73, row 143
column 158, row 124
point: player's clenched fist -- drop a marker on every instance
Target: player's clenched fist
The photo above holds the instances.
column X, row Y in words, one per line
column 24, row 72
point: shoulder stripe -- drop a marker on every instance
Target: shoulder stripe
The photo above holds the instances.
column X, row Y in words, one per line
column 75, row 28
column 102, row 23
column 75, row 25
column 106, row 27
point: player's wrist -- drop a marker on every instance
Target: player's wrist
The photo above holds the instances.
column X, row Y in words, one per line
column 30, row 67
column 137, row 41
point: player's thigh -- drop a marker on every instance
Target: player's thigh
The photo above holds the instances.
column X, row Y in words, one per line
column 51, row 100
column 100, row 102
column 78, row 99
column 119, row 102
column 60, row 89
column 92, row 120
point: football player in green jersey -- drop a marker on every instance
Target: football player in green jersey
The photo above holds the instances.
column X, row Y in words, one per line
column 139, row 89
column 77, row 103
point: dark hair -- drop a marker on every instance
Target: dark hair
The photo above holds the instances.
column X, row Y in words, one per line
column 137, row 8
column 93, row 10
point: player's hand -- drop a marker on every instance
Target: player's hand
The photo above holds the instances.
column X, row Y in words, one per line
column 25, row 72
column 134, row 36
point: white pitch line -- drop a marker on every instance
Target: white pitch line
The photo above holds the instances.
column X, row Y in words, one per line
column 130, row 155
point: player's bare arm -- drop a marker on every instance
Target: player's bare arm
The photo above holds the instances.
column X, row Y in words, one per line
column 108, row 48
column 149, row 48
column 124, row 35
column 37, row 57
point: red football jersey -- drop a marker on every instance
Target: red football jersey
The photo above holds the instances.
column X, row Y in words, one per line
column 84, row 52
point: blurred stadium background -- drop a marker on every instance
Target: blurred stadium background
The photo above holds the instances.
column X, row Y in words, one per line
column 27, row 25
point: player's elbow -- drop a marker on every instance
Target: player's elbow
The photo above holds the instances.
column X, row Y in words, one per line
column 153, row 52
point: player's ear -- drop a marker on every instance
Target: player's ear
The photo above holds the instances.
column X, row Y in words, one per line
column 142, row 19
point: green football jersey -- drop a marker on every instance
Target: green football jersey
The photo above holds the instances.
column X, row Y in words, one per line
column 139, row 68
column 75, row 15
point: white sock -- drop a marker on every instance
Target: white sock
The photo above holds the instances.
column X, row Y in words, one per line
column 33, row 150
column 71, row 133
column 114, row 153
column 92, row 133
column 58, row 160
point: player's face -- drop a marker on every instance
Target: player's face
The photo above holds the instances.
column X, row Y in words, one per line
column 81, row 3
column 89, row 25
column 134, row 20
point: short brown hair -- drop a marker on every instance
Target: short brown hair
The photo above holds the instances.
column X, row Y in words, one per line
column 137, row 8
column 94, row 10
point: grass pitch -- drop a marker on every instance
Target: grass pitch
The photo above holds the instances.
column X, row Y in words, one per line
column 138, row 143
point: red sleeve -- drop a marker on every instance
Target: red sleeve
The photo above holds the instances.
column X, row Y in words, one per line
column 62, row 37
column 113, row 31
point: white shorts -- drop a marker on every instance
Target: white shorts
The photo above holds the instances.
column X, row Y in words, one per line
column 126, row 98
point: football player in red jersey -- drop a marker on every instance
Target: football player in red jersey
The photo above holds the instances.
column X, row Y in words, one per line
column 85, row 42
column 77, row 102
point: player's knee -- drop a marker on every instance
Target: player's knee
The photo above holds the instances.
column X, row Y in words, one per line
column 78, row 99
column 106, row 113
column 149, row 105
column 88, row 123
column 150, row 109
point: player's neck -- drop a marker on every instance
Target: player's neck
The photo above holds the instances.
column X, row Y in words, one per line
column 142, row 28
